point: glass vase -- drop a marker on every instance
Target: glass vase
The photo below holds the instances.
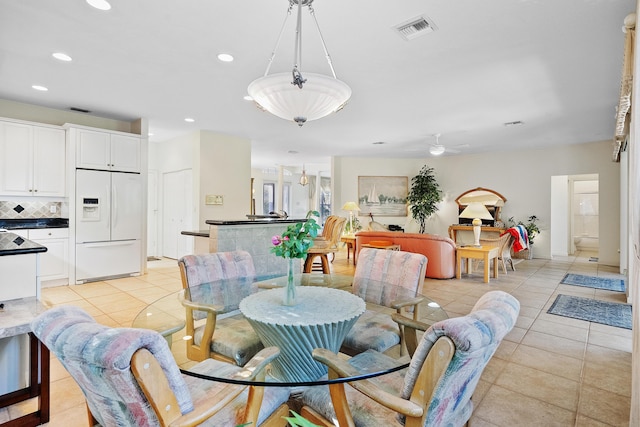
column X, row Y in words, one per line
column 290, row 288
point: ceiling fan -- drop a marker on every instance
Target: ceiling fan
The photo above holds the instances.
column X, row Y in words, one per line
column 438, row 149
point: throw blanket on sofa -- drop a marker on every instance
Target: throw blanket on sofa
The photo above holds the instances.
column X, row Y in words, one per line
column 520, row 237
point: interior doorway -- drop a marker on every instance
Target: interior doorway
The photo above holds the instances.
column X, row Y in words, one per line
column 585, row 214
column 177, row 208
column 575, row 219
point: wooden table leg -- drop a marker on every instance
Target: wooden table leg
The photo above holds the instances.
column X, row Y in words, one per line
column 486, row 268
column 495, row 268
column 458, row 267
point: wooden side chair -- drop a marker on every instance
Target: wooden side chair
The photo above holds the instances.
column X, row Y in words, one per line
column 434, row 391
column 323, row 247
column 129, row 377
column 403, row 273
column 231, row 339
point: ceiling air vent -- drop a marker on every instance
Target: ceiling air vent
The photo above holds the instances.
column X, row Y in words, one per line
column 415, row 27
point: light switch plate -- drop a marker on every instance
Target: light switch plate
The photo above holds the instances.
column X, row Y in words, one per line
column 213, row 199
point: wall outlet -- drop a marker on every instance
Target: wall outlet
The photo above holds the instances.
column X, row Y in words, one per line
column 53, row 209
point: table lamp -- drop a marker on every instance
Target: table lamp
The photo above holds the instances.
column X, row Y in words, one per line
column 351, row 207
column 476, row 211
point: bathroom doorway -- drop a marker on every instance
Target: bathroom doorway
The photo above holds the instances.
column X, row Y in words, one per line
column 584, row 214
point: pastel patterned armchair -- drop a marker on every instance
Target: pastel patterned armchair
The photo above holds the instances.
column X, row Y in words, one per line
column 230, row 339
column 435, row 390
column 129, row 377
column 403, row 274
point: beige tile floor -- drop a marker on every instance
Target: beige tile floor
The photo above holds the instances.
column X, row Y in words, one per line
column 549, row 371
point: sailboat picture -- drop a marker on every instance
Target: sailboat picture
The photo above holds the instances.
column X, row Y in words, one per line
column 383, row 195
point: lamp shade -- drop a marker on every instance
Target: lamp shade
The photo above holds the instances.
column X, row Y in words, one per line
column 350, row 206
column 320, row 96
column 476, row 210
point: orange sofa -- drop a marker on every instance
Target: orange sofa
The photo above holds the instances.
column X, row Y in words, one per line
column 440, row 251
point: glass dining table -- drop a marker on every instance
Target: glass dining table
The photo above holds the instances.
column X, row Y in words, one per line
column 325, row 311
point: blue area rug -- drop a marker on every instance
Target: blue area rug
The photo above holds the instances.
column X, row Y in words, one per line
column 607, row 313
column 594, row 282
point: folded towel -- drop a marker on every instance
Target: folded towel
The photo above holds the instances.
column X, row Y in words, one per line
column 520, row 237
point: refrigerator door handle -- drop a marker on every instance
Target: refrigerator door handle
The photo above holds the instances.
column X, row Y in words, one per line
column 114, row 204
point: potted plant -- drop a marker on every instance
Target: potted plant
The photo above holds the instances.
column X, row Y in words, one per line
column 424, row 196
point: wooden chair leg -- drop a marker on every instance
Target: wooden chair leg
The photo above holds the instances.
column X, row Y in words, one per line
column 308, row 263
column 325, row 264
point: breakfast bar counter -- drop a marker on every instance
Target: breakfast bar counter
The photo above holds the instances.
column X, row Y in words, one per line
column 253, row 236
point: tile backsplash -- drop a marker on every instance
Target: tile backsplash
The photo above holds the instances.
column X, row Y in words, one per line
column 30, row 209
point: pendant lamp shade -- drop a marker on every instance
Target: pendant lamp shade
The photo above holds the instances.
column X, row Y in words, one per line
column 320, row 96
column 299, row 96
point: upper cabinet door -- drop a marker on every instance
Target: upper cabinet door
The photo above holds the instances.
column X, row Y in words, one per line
column 93, row 150
column 32, row 160
column 49, row 159
column 106, row 151
column 16, row 147
column 125, row 153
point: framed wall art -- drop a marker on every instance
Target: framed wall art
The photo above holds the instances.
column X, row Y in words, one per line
column 383, row 195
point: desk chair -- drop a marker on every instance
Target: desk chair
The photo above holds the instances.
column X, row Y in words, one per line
column 435, row 390
column 375, row 330
column 129, row 377
column 236, row 342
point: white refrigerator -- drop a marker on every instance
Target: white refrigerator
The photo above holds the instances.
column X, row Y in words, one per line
column 108, row 224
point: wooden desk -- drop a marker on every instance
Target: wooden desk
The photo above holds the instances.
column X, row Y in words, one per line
column 484, row 253
column 453, row 230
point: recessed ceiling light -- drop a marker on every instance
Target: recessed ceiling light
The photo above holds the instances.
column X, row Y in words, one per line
column 100, row 4
column 40, row 88
column 61, row 56
column 379, row 143
column 189, row 120
column 225, row 57
column 247, row 98
column 292, row 152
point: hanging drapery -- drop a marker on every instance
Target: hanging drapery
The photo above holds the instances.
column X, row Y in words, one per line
column 626, row 84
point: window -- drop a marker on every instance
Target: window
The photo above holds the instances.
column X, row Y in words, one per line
column 268, row 197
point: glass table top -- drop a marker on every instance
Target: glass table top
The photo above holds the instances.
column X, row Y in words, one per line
column 167, row 316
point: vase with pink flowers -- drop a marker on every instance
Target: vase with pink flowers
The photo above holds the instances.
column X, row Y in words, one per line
column 295, row 243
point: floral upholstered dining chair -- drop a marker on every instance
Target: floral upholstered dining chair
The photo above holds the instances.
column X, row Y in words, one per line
column 129, row 377
column 435, row 390
column 231, row 339
column 402, row 274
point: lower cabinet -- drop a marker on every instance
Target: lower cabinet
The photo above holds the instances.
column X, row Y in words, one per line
column 54, row 264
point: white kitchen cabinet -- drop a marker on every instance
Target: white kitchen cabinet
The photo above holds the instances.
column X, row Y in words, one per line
column 54, row 264
column 32, row 160
column 107, row 151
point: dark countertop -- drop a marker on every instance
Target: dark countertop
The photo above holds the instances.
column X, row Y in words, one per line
column 14, row 224
column 252, row 222
column 199, row 233
column 12, row 244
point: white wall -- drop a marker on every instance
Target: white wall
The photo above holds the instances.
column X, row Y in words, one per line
column 523, row 177
column 220, row 165
column 560, row 215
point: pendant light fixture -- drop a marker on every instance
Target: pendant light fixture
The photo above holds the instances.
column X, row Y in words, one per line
column 304, row 179
column 296, row 96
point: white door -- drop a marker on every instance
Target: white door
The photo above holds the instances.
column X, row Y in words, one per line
column 176, row 211
column 93, row 206
column 126, row 206
column 152, row 214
